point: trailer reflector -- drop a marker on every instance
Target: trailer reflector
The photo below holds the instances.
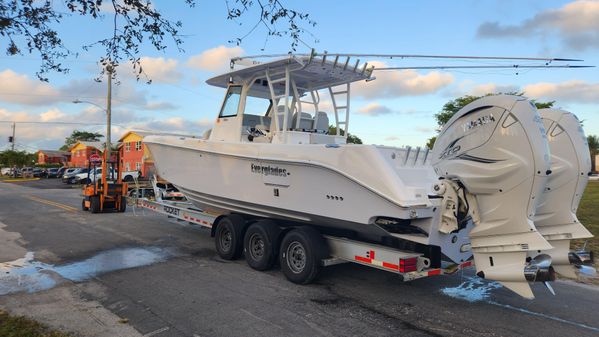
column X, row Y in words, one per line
column 434, row 272
column 408, row 265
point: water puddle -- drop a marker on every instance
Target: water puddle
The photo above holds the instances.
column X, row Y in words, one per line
column 474, row 289
column 28, row 275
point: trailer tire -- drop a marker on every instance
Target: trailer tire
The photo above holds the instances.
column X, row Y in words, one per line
column 94, row 204
column 260, row 244
column 228, row 237
column 302, row 249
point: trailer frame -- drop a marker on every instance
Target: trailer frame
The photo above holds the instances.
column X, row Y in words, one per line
column 409, row 265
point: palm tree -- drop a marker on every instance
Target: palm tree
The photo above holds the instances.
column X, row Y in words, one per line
column 593, row 149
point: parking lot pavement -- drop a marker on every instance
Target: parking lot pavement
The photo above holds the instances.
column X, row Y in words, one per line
column 44, row 183
column 165, row 279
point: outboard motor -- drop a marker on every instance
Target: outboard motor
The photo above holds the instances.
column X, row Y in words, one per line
column 555, row 217
column 496, row 149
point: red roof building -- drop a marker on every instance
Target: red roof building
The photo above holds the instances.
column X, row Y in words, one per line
column 134, row 154
column 53, row 157
column 81, row 151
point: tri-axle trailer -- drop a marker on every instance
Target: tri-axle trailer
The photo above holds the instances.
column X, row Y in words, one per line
column 300, row 250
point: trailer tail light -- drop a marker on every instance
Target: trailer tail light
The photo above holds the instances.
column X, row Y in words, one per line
column 408, row 265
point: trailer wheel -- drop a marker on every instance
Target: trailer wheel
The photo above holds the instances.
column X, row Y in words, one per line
column 83, row 205
column 228, row 237
column 259, row 244
column 302, row 249
column 95, row 204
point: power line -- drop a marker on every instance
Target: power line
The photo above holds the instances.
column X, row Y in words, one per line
column 60, row 123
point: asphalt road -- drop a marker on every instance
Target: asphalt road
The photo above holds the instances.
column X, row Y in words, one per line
column 170, row 282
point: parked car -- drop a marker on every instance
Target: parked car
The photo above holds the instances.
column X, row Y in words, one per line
column 26, row 172
column 38, row 172
column 5, row 171
column 61, row 172
column 82, row 178
column 67, row 177
column 85, row 178
column 169, row 192
column 130, row 175
column 52, row 172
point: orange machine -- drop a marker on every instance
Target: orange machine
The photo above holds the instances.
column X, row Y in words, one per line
column 106, row 192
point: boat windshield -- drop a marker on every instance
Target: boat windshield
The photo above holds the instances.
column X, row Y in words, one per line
column 231, row 103
column 257, row 106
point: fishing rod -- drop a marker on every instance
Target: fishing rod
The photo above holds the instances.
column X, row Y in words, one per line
column 514, row 66
column 406, row 56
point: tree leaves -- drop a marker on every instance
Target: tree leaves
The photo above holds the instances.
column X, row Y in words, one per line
column 271, row 13
column 33, row 26
column 83, row 136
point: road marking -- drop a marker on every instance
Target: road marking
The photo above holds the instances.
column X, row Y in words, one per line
column 539, row 314
column 261, row 319
column 19, row 180
column 53, row 203
column 155, row 332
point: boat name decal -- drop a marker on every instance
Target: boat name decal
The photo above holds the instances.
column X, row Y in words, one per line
column 268, row 170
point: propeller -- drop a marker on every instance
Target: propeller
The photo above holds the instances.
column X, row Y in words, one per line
column 583, row 261
column 539, row 269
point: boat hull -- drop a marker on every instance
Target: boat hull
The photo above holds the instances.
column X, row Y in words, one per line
column 242, row 181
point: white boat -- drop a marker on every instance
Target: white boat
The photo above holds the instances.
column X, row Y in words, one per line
column 270, row 155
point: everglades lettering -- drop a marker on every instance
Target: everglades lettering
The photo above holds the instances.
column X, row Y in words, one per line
column 268, row 170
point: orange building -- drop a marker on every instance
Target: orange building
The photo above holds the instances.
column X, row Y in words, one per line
column 135, row 155
column 53, row 157
column 81, row 151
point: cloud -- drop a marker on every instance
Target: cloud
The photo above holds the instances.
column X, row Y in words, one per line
column 20, row 89
column 425, row 129
column 52, row 115
column 391, row 138
column 374, row 109
column 215, row 59
column 468, row 87
column 576, row 91
column 160, row 106
column 33, row 136
column 161, row 70
column 174, row 125
column 576, row 23
column 401, row 83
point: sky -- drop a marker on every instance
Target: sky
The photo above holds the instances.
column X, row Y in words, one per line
column 395, row 109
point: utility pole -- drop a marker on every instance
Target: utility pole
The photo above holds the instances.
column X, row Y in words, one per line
column 14, row 127
column 108, row 108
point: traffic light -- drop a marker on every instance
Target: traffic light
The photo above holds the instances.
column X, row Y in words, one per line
column 11, row 139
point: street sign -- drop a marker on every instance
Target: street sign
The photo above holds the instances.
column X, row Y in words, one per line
column 95, row 158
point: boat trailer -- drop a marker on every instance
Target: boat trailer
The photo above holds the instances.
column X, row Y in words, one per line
column 409, row 265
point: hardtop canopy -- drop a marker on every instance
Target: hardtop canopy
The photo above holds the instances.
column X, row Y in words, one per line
column 309, row 73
